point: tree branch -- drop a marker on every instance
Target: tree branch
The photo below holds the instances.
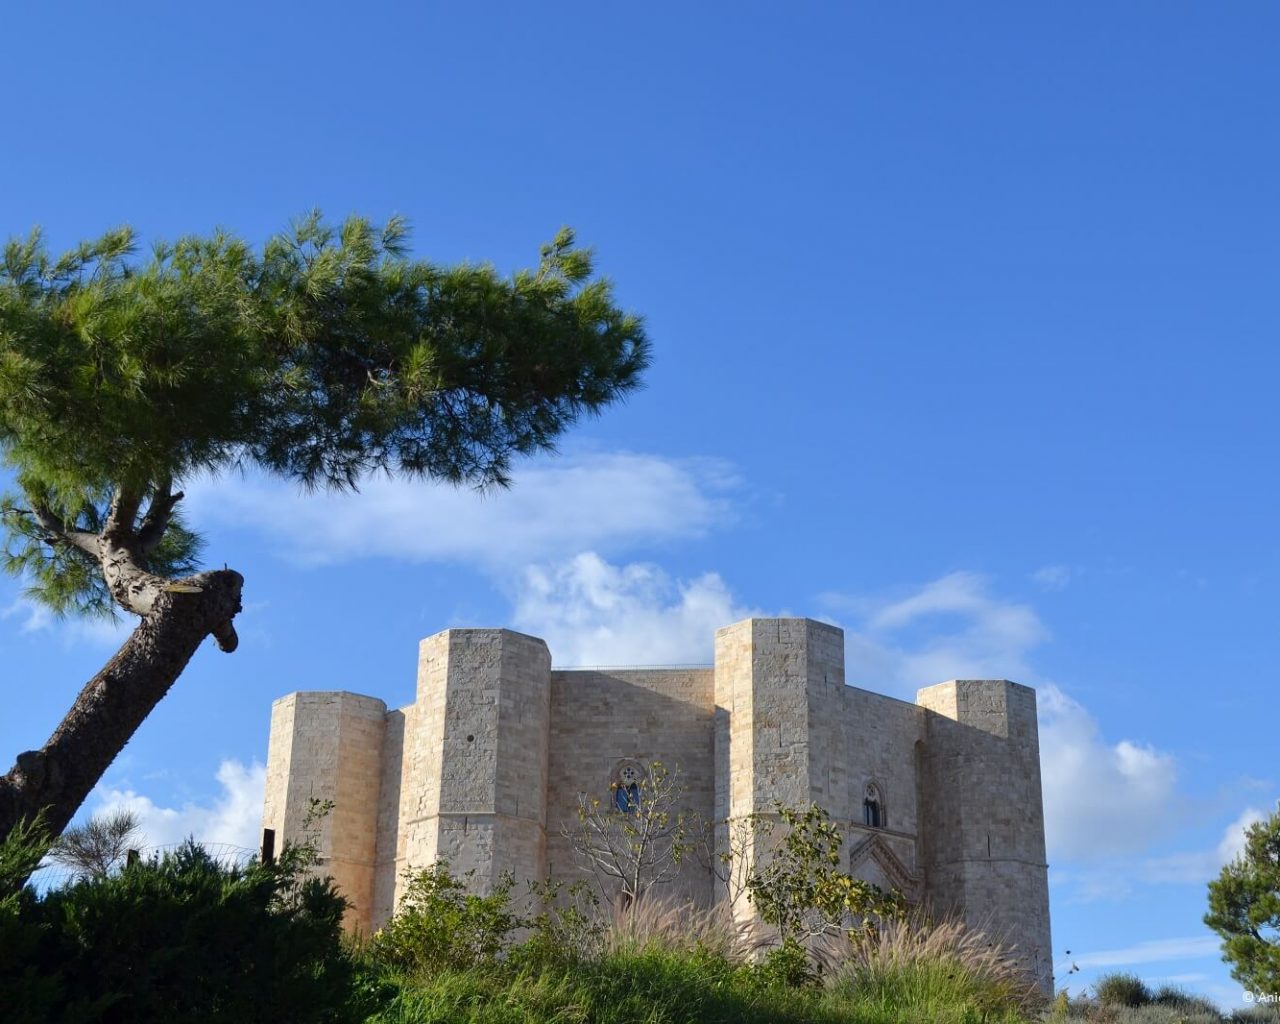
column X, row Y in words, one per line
column 59, row 531
column 156, row 521
column 115, row 702
column 122, row 514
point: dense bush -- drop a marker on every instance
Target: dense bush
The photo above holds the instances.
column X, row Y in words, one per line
column 178, row 938
column 1182, row 1001
column 441, row 925
column 1122, row 990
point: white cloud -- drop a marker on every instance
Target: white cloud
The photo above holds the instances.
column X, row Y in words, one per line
column 555, row 509
column 234, row 817
column 593, row 613
column 1101, row 798
column 1115, row 878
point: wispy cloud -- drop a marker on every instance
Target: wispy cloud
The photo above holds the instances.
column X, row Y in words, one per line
column 34, row 618
column 949, row 628
column 1153, row 952
column 1053, row 577
column 608, row 501
column 1200, row 866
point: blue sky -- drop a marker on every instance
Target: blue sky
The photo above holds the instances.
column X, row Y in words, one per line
column 963, row 321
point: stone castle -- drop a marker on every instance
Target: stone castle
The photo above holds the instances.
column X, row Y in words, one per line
column 939, row 799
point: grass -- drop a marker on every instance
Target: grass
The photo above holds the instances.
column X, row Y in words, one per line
column 654, row 987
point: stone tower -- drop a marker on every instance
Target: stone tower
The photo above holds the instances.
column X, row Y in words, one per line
column 982, row 833
column 475, row 755
column 327, row 748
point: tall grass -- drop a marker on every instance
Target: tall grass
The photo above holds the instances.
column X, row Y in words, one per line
column 932, row 968
column 654, row 923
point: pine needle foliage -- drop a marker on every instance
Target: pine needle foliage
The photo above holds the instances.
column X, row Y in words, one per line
column 1244, row 908
column 327, row 355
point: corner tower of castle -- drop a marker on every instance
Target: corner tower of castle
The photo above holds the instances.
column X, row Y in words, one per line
column 939, row 798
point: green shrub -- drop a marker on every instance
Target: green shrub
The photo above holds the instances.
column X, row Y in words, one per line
column 1183, row 1001
column 180, row 938
column 440, row 925
column 787, row 965
column 1153, row 1013
column 563, row 926
column 801, row 890
column 1122, row 990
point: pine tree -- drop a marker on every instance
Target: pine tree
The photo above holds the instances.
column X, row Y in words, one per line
column 328, row 355
column 1244, row 909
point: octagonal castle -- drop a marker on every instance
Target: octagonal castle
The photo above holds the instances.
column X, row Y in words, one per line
column 939, row 799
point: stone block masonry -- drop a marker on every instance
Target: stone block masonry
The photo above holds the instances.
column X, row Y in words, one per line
column 939, row 798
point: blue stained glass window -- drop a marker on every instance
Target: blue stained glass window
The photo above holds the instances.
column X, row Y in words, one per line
column 627, row 798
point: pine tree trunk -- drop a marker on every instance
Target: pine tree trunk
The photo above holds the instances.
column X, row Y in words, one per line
column 58, row 777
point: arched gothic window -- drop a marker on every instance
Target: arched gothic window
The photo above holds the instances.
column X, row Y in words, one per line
column 873, row 807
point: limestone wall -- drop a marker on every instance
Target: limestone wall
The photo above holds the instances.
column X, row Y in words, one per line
column 871, row 741
column 599, row 718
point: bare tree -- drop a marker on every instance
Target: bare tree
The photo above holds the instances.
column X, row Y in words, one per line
column 640, row 839
column 730, row 853
column 98, row 845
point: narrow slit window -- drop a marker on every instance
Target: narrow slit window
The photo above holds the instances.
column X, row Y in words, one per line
column 873, row 814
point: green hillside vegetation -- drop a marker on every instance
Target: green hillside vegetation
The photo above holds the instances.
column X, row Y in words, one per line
column 182, row 937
